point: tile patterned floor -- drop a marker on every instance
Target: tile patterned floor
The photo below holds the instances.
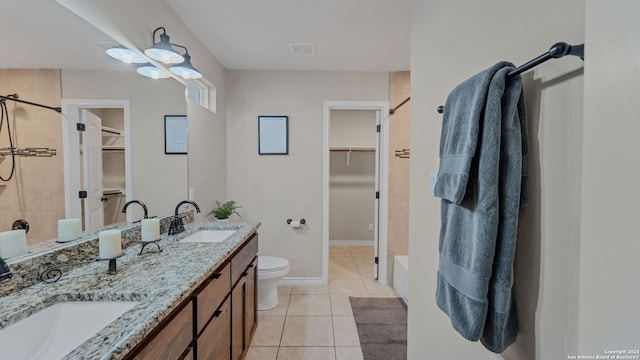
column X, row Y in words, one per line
column 316, row 322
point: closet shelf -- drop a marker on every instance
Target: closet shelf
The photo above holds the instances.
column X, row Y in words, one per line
column 112, row 191
column 113, row 148
column 108, row 131
column 352, row 148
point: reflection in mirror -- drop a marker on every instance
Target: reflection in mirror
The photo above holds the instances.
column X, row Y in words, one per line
column 40, row 191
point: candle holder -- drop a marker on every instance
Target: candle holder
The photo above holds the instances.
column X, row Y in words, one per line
column 66, row 241
column 145, row 243
column 54, row 273
column 112, row 263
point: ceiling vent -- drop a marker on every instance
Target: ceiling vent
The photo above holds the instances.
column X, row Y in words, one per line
column 302, row 49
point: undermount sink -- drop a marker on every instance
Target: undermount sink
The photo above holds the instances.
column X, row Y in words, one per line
column 208, row 236
column 55, row 331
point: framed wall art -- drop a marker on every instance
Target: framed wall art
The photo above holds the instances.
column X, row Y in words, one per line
column 175, row 134
column 273, row 135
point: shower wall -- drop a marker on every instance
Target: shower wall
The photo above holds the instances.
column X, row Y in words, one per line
column 36, row 191
column 398, row 219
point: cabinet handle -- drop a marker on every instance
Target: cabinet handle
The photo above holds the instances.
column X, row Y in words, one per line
column 245, row 273
column 216, row 276
column 250, row 266
column 217, row 313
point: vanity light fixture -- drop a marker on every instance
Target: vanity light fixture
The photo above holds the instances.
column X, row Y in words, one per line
column 125, row 55
column 185, row 69
column 162, row 50
column 153, row 72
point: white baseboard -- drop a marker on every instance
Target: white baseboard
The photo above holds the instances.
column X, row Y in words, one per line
column 288, row 281
column 351, row 243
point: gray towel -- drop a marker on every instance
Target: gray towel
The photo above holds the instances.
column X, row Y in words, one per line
column 480, row 181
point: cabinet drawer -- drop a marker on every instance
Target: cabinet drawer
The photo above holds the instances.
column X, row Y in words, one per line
column 215, row 341
column 173, row 339
column 243, row 258
column 211, row 296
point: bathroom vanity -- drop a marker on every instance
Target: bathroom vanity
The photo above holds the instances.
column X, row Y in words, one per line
column 195, row 300
column 219, row 318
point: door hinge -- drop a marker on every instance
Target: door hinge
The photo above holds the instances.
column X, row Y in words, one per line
column 378, row 128
column 377, row 194
column 80, row 127
column 82, row 194
column 375, row 260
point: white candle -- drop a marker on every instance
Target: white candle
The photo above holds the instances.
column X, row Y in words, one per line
column 68, row 229
column 13, row 243
column 109, row 244
column 150, row 229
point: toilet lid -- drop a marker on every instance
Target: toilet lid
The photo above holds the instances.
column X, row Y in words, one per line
column 271, row 263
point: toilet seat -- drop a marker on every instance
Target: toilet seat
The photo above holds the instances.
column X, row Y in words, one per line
column 268, row 264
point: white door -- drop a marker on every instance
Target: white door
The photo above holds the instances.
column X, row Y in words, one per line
column 376, row 217
column 92, row 171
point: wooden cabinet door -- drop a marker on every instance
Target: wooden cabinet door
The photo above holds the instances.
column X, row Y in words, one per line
column 238, row 319
column 214, row 342
column 251, row 301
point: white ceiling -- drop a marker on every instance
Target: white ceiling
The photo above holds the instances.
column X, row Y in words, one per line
column 349, row 35
column 43, row 34
column 366, row 35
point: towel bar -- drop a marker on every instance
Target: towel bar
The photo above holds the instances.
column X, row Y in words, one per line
column 556, row 51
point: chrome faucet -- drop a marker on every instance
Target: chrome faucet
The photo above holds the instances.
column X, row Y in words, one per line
column 144, row 207
column 176, row 226
column 5, row 272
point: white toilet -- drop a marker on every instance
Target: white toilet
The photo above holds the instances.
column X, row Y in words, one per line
column 270, row 270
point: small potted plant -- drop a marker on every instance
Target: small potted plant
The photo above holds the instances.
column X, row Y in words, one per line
column 222, row 211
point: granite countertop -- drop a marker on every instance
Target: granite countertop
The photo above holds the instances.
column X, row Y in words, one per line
column 158, row 281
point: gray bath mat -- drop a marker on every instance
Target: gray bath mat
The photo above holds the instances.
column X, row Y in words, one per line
column 382, row 327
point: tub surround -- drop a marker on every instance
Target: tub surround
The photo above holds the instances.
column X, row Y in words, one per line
column 401, row 276
column 159, row 281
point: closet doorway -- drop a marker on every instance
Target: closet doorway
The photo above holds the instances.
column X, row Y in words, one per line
column 354, row 183
column 96, row 161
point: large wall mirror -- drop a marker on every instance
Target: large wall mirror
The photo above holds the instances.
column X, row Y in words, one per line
column 126, row 109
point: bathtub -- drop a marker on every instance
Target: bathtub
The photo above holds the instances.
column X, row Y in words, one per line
column 401, row 276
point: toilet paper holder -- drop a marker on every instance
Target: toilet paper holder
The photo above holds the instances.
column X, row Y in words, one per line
column 302, row 221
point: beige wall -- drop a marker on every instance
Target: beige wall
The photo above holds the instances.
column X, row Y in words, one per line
column 399, row 130
column 159, row 180
column 352, row 128
column 36, row 191
column 272, row 189
column 207, row 157
column 450, row 42
column 609, row 248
